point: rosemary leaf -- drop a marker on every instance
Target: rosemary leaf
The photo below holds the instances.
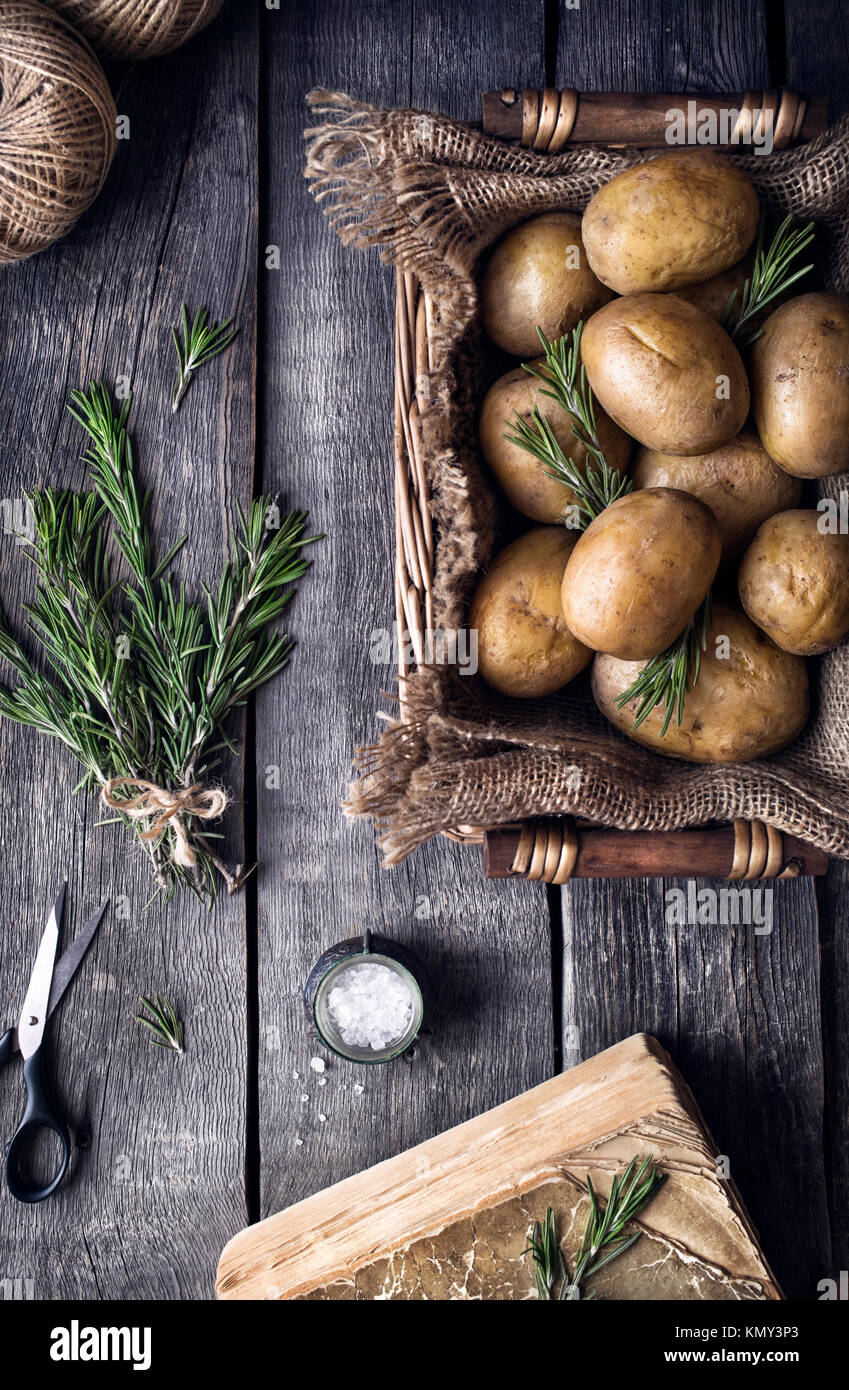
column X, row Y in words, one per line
column 564, row 380
column 604, row 1237
column 667, row 678
column 202, row 340
column 772, row 275
column 161, row 1018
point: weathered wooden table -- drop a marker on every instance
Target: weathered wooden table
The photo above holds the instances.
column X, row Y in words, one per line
column 206, row 202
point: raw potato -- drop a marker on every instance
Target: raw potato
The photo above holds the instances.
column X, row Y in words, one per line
column 529, row 282
column 794, row 583
column 678, row 219
column 640, row 571
column 666, row 372
column 523, row 477
column 744, row 706
column 525, row 648
column 800, row 385
column 738, row 481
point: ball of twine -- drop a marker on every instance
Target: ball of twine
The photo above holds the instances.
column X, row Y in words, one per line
column 138, row 28
column 57, row 128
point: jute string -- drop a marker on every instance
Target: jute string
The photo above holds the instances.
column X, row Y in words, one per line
column 138, row 28
column 57, row 128
column 166, row 808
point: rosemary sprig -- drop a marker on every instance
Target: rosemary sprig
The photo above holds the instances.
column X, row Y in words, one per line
column 666, row 678
column 202, row 340
column 604, row 1233
column 771, row 276
column 546, row 1256
column 143, row 681
column 564, row 381
column 166, row 1027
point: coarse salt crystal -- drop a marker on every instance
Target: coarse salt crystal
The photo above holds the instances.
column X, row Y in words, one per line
column 371, row 1006
column 322, row 1081
column 322, row 1118
column 358, row 1089
column 317, row 1064
column 299, row 1142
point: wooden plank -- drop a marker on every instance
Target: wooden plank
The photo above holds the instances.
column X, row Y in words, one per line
column 157, row 1177
column 710, row 994
column 818, row 53
column 328, row 445
column 447, row 1219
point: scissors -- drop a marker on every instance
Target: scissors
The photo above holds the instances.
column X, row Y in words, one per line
column 47, row 984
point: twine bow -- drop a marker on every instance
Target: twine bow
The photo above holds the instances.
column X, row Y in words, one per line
column 165, row 808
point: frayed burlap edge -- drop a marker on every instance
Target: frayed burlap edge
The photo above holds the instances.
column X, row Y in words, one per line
column 431, row 194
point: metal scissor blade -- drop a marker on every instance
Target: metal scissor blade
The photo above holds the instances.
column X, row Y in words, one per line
column 70, row 961
column 34, row 1013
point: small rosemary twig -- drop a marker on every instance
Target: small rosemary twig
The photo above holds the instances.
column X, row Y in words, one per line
column 202, row 341
column 770, row 277
column 166, row 1027
column 666, row 678
column 546, row 1256
column 604, row 1234
column 564, row 381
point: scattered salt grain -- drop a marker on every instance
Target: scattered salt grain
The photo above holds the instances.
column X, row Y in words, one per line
column 322, row 1118
column 358, row 1089
column 304, row 1098
column 322, row 1081
column 299, row 1142
column 317, row 1064
column 371, row 1006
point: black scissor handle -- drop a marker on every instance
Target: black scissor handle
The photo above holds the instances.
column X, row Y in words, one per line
column 37, row 1115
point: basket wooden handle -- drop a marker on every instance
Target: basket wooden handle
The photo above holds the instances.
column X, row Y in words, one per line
column 547, row 120
column 553, row 851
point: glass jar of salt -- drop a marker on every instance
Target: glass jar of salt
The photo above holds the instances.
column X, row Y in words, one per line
column 365, row 999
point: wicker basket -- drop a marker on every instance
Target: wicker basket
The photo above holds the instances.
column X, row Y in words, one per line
column 552, row 851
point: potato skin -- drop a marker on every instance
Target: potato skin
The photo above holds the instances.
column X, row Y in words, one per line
column 800, row 385
column 678, row 219
column 653, row 361
column 794, row 583
column 639, row 572
column 526, row 283
column 743, row 707
column 525, row 648
column 522, row 477
column 738, row 481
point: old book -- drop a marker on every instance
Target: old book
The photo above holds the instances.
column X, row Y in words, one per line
column 449, row 1218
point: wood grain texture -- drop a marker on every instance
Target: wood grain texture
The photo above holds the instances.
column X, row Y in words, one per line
column 328, row 445
column 661, row 46
column 157, row 1176
column 716, row 996
column 818, row 51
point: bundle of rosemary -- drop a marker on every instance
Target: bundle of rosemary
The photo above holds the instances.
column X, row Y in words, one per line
column 143, row 680
column 667, row 677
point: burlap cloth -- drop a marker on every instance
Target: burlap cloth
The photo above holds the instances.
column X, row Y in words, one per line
column 433, row 193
